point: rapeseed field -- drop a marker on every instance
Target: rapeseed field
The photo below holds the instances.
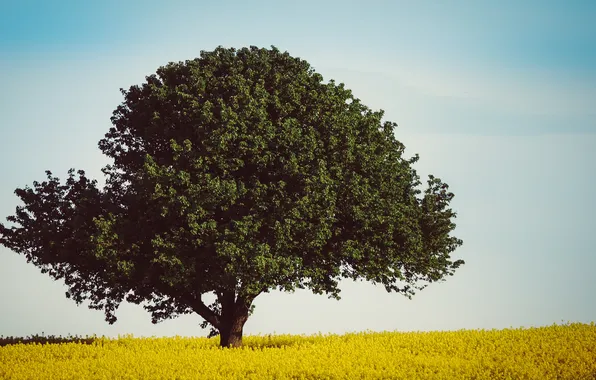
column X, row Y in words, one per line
column 554, row 352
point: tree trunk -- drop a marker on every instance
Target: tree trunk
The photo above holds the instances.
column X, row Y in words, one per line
column 234, row 316
column 230, row 333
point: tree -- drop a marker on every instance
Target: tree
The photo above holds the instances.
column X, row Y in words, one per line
column 234, row 174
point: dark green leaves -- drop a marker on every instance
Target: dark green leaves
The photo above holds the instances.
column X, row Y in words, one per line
column 236, row 173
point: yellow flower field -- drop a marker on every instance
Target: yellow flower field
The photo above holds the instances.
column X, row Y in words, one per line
column 554, row 352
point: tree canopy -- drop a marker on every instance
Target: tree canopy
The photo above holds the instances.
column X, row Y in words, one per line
column 235, row 174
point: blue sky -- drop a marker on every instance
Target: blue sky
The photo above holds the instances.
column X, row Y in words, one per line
column 497, row 98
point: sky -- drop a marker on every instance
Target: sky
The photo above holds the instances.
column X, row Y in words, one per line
column 498, row 98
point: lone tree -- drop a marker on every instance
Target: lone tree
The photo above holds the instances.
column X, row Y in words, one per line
column 234, row 174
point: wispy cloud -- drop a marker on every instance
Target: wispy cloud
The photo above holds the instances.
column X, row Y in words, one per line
column 526, row 91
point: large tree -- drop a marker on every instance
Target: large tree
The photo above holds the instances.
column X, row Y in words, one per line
column 234, row 174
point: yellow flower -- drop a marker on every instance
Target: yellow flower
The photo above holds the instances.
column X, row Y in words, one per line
column 554, row 352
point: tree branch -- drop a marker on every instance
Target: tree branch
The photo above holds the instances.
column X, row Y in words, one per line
column 200, row 308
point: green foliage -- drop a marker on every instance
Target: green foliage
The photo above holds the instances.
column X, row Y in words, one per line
column 43, row 339
column 236, row 173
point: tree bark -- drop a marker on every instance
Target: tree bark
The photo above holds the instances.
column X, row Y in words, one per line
column 230, row 333
column 234, row 316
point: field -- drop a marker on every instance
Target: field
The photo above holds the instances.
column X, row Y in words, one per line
column 554, row 352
